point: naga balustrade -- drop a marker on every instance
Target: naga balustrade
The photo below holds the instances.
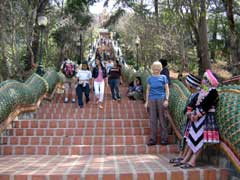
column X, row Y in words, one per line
column 17, row 97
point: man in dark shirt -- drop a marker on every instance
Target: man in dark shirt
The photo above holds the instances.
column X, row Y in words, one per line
column 165, row 70
column 113, row 80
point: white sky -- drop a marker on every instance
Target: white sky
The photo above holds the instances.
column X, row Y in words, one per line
column 98, row 8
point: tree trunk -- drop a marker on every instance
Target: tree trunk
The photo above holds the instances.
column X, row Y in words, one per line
column 204, row 62
column 234, row 41
column 3, row 55
column 156, row 11
column 214, row 39
column 40, row 10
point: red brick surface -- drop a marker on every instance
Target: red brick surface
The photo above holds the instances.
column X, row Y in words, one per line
column 65, row 142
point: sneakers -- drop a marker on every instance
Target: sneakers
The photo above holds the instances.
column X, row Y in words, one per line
column 87, row 100
column 66, row 100
column 164, row 143
column 151, row 144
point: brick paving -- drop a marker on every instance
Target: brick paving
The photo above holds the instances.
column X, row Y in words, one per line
column 99, row 167
column 65, row 142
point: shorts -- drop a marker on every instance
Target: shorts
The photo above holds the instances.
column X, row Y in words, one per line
column 68, row 83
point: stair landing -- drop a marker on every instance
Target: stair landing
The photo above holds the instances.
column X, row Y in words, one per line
column 94, row 167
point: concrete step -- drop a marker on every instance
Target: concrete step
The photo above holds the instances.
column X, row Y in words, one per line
column 95, row 167
column 85, row 149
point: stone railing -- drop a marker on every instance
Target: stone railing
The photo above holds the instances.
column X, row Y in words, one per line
column 17, row 97
column 228, row 112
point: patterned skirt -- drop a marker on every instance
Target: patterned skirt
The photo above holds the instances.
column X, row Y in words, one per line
column 203, row 131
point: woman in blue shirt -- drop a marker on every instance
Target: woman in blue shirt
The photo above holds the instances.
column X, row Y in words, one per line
column 157, row 95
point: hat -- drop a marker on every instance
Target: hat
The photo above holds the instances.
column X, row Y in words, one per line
column 85, row 62
column 211, row 78
column 193, row 81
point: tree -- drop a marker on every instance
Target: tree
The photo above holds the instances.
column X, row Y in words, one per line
column 233, row 37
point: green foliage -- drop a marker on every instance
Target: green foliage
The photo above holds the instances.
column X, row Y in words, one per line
column 79, row 10
column 114, row 17
column 72, row 6
column 61, row 36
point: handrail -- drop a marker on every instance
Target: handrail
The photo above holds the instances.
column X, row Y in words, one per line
column 232, row 79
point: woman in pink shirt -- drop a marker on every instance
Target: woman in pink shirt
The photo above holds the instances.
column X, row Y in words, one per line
column 99, row 74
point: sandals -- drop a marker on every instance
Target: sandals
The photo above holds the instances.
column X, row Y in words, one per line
column 178, row 164
column 187, row 166
column 175, row 160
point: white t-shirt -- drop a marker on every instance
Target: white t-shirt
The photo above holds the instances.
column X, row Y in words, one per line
column 109, row 66
column 84, row 75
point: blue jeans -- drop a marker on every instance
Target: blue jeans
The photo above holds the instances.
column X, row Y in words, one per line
column 113, row 83
column 80, row 89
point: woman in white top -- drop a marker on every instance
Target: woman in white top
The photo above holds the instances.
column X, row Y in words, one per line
column 83, row 77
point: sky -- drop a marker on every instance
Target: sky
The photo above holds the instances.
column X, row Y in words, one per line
column 97, row 8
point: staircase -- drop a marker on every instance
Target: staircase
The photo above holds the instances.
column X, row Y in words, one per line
column 65, row 142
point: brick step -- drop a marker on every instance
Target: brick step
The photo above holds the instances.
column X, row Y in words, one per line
column 94, row 110
column 123, row 110
column 94, row 167
column 79, row 131
column 79, row 140
column 102, row 115
column 86, row 123
column 127, row 105
column 85, row 149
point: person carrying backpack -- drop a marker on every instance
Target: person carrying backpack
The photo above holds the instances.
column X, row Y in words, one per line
column 68, row 68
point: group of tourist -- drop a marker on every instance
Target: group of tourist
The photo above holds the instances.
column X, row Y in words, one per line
column 201, row 127
column 83, row 78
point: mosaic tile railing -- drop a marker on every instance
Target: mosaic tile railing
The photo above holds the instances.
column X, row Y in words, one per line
column 14, row 94
column 227, row 114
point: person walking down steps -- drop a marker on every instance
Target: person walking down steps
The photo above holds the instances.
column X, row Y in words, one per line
column 68, row 68
column 83, row 77
column 99, row 74
column 114, row 80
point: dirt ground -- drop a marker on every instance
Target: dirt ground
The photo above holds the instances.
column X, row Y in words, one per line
column 218, row 68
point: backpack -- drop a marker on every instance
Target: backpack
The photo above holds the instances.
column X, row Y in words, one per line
column 69, row 70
